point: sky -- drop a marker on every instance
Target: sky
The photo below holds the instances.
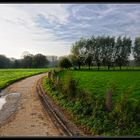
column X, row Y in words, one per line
column 51, row 29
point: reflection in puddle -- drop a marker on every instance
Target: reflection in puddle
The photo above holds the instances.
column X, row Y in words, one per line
column 3, row 98
column 2, row 101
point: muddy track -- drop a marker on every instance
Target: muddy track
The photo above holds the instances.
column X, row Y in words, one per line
column 36, row 114
column 29, row 119
column 66, row 126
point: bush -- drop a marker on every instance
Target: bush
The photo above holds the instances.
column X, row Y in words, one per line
column 69, row 86
column 65, row 63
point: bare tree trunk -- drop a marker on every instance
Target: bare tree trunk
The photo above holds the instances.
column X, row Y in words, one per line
column 120, row 67
column 89, row 66
column 98, row 67
column 79, row 66
column 108, row 67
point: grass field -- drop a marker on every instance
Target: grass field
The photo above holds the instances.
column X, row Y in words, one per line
column 100, row 82
column 8, row 76
column 123, row 68
column 89, row 103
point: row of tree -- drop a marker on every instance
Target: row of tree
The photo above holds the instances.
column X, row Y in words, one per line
column 104, row 51
column 28, row 61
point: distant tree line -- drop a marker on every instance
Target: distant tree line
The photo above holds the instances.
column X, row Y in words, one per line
column 104, row 51
column 53, row 60
column 28, row 61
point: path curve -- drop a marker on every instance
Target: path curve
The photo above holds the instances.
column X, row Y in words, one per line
column 30, row 119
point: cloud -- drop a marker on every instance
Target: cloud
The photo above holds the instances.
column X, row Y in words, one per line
column 101, row 16
column 20, row 31
column 52, row 28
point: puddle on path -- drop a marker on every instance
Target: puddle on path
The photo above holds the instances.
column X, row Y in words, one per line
column 3, row 98
column 2, row 101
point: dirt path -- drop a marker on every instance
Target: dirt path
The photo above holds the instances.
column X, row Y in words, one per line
column 30, row 118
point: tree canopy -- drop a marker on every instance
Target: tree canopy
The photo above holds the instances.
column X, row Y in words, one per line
column 103, row 50
column 65, row 63
column 136, row 50
column 28, row 61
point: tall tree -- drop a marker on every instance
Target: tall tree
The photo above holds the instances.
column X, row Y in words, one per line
column 78, row 50
column 98, row 51
column 89, row 53
column 107, row 50
column 136, row 50
column 39, row 61
column 73, row 60
column 4, row 62
column 28, row 61
column 16, row 63
column 123, row 51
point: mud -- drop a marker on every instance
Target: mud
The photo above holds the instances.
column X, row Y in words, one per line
column 23, row 113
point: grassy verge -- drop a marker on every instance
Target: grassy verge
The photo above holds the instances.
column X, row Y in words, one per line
column 9, row 76
column 103, row 114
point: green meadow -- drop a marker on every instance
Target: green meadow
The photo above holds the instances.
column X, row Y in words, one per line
column 106, row 102
column 8, row 76
column 99, row 83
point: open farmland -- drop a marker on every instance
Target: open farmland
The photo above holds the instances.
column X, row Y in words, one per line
column 108, row 102
column 8, row 76
column 99, row 83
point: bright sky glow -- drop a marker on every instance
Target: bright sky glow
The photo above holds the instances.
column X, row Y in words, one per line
column 51, row 29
